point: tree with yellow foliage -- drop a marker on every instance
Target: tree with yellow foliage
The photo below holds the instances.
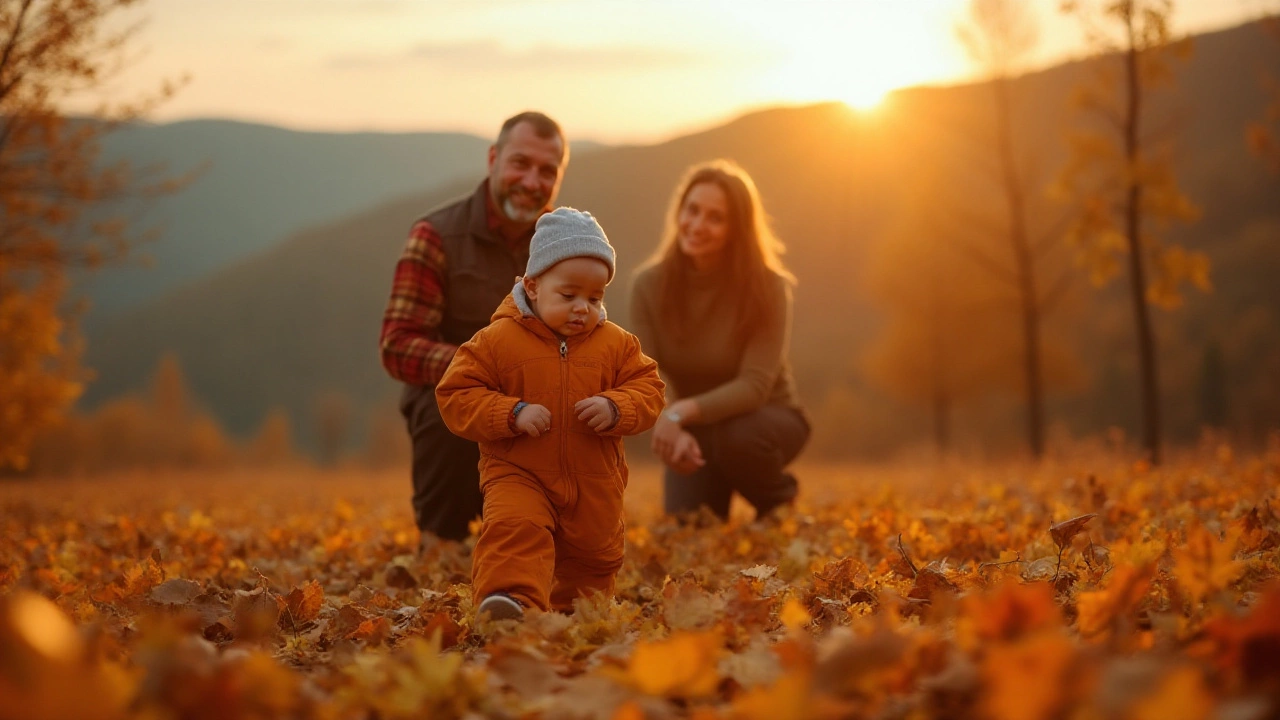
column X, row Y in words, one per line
column 52, row 51
column 39, row 373
column 1120, row 176
column 999, row 35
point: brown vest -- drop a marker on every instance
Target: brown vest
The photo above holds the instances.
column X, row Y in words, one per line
column 480, row 270
column 480, row 266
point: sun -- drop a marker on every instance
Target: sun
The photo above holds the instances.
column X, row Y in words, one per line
column 858, row 51
column 865, row 96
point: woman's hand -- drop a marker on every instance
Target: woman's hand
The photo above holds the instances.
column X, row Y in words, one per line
column 686, row 456
column 665, row 434
column 675, row 446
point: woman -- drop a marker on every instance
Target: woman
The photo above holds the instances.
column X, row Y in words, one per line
column 713, row 307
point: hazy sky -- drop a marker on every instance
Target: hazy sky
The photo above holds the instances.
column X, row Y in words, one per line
column 610, row 70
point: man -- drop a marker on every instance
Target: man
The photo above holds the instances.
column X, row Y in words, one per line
column 460, row 261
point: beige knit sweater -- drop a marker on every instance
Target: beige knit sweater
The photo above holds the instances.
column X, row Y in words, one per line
column 726, row 375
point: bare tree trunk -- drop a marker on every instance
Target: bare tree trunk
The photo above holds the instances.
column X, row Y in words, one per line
column 941, row 423
column 1137, row 276
column 941, row 391
column 1029, row 301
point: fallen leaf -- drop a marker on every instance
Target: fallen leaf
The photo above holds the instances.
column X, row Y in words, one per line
column 1025, row 680
column 1063, row 532
column 175, row 592
column 398, row 576
column 760, row 572
column 303, row 603
column 684, row 665
column 1205, row 564
column 793, row 615
column 1098, row 611
column 1181, row 695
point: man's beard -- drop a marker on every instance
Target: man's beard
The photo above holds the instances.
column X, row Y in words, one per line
column 517, row 214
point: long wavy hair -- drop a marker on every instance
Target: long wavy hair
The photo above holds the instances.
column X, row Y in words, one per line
column 752, row 252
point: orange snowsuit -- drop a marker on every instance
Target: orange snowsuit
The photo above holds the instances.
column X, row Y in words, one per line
column 552, row 523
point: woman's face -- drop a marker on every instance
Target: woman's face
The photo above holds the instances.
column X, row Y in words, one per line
column 702, row 226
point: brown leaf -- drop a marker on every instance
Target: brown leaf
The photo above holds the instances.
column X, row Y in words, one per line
column 747, row 609
column 303, row 604
column 929, row 582
column 350, row 616
column 1063, row 532
column 398, row 576
column 447, row 627
column 837, row 579
column 210, row 606
column 686, row 606
column 382, row 601
column 528, row 675
column 219, row 632
column 175, row 592
column 256, row 613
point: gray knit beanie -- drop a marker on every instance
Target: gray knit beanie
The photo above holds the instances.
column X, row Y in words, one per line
column 567, row 233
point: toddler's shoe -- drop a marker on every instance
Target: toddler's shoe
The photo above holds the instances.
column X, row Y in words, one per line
column 501, row 606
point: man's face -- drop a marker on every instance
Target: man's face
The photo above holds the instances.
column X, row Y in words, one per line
column 524, row 176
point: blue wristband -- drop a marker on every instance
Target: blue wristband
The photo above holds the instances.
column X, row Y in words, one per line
column 519, row 406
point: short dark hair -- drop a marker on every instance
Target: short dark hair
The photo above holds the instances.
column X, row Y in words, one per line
column 543, row 126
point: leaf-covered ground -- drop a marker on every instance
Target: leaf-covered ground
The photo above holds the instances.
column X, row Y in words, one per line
column 1088, row 589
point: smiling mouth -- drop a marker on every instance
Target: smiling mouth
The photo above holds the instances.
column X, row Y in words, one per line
column 526, row 198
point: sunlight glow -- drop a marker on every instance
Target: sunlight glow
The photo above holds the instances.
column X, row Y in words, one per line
column 858, row 51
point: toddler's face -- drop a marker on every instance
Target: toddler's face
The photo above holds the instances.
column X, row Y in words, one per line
column 570, row 296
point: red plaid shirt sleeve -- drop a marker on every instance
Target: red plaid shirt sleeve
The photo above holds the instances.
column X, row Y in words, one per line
column 412, row 350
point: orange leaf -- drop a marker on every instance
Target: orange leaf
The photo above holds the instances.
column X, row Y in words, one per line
column 684, row 665
column 1025, row 680
column 1098, row 611
column 1205, row 564
column 304, row 603
column 1015, row 610
column 786, row 699
column 1181, row 695
column 372, row 631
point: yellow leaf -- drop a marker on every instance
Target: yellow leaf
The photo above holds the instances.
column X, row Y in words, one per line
column 793, row 615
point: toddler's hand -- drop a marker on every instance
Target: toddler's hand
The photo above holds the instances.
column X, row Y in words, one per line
column 597, row 412
column 533, row 420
